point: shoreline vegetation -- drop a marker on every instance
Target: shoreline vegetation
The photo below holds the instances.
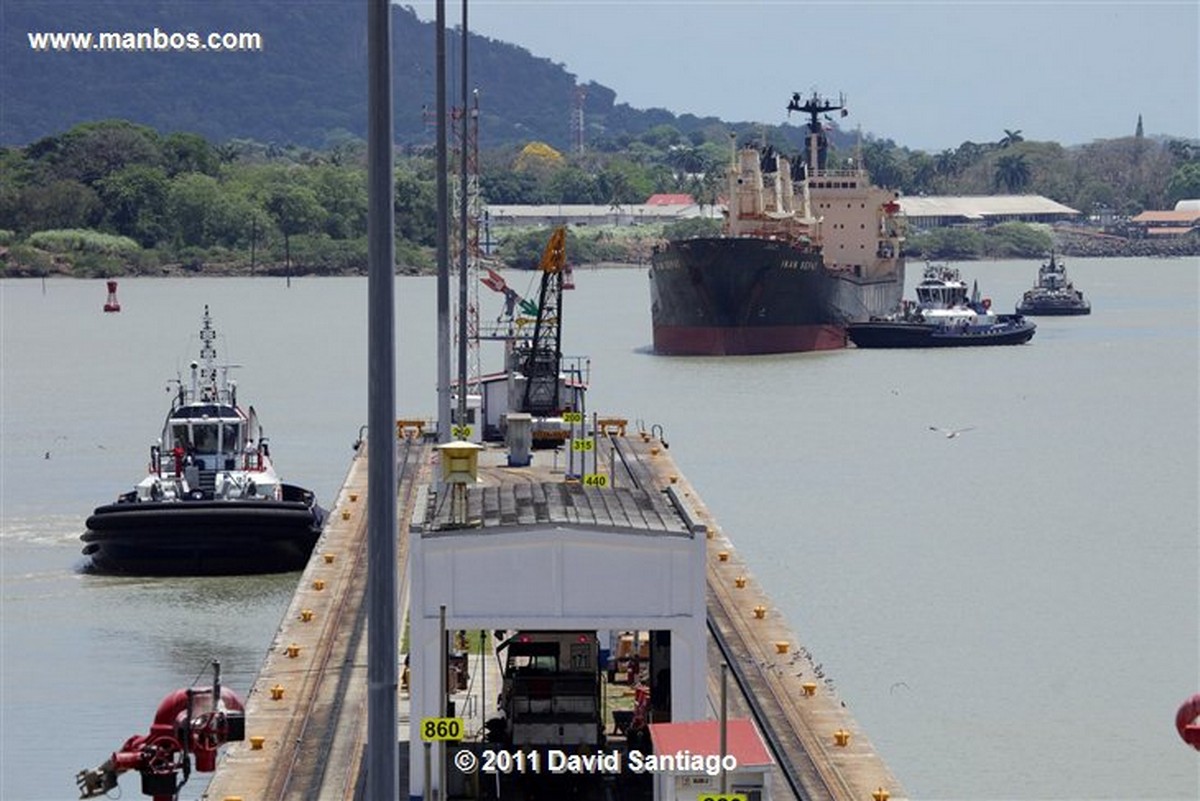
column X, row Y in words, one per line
column 91, row 255
column 113, row 198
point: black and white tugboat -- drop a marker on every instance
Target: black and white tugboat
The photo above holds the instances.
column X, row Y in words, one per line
column 942, row 317
column 211, row 503
column 1054, row 294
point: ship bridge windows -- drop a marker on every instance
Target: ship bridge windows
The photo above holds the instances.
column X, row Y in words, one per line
column 181, row 437
column 230, row 436
column 206, row 437
column 942, row 295
column 204, row 410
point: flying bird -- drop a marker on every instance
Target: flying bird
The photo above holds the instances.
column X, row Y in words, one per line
column 951, row 433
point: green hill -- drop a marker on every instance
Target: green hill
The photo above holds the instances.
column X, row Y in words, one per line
column 305, row 85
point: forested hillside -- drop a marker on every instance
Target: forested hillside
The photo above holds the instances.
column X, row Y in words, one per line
column 305, row 86
column 145, row 162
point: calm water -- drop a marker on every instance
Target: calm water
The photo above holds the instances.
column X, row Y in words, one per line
column 1010, row 614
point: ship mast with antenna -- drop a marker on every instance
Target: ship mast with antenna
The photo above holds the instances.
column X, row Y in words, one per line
column 814, row 107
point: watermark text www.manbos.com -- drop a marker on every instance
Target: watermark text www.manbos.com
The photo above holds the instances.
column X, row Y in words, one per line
column 152, row 41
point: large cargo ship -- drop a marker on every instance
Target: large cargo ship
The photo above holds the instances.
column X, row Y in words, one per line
column 804, row 251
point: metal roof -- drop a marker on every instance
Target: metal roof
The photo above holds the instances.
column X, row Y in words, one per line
column 979, row 207
column 560, row 503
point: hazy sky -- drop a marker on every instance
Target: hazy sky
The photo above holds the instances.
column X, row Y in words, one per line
column 929, row 75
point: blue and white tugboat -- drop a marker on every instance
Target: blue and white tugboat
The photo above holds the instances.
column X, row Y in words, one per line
column 1054, row 294
column 211, row 502
column 942, row 317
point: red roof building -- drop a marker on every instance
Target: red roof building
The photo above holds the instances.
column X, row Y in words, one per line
column 670, row 200
column 698, row 742
column 1166, row 223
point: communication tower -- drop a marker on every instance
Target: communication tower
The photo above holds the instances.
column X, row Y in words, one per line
column 470, row 151
column 577, row 119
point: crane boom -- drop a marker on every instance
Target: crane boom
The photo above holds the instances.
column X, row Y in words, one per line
column 542, row 361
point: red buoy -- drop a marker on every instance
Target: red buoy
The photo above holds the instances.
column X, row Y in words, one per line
column 1187, row 721
column 112, row 304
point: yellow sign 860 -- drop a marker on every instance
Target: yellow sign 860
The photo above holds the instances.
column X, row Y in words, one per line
column 441, row 728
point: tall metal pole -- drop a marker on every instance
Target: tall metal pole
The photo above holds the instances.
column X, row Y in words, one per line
column 462, row 237
column 383, row 634
column 724, row 723
column 443, row 694
column 443, row 236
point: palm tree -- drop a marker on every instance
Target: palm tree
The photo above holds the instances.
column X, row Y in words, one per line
column 1012, row 172
column 1011, row 138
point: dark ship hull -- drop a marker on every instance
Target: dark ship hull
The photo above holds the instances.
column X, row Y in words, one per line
column 204, row 537
column 747, row 295
column 1042, row 307
column 1054, row 295
column 910, row 334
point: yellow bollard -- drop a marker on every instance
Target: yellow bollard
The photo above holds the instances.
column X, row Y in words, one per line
column 881, row 795
column 345, row 514
column 354, row 497
column 256, row 742
column 234, row 797
column 277, row 692
column 781, row 647
column 318, row 584
column 722, row 556
column 654, row 451
column 810, row 688
column 841, row 738
column 329, row 558
column 306, row 615
column 740, row 582
column 293, row 651
column 760, row 612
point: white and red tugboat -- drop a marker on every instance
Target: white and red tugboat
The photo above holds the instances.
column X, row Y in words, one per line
column 211, row 502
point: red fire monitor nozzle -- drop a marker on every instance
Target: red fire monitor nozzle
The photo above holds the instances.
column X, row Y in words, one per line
column 190, row 723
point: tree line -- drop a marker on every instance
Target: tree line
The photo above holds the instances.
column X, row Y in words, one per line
column 115, row 197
